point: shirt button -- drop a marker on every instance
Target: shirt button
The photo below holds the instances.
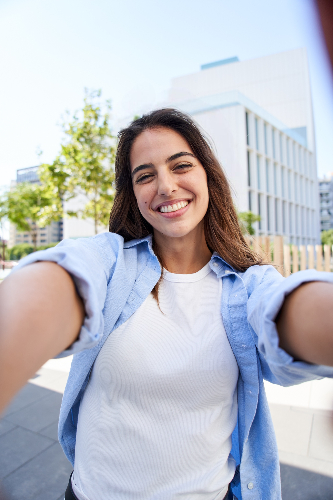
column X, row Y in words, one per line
column 250, row 486
column 215, row 264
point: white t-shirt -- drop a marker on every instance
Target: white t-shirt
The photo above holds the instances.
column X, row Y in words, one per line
column 156, row 419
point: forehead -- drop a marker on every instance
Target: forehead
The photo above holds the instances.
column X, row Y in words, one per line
column 156, row 145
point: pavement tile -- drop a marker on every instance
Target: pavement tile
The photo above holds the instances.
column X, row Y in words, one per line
column 321, row 441
column 296, row 395
column 51, row 431
column 51, row 379
column 17, row 447
column 28, row 394
column 5, row 426
column 39, row 414
column 300, row 484
column 292, row 429
column 43, row 477
column 307, row 463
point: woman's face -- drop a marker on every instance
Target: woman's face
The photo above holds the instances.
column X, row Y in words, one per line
column 169, row 182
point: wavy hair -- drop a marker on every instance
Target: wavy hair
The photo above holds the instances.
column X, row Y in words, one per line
column 222, row 229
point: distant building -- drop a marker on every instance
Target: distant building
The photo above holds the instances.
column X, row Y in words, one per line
column 326, row 203
column 258, row 114
column 45, row 235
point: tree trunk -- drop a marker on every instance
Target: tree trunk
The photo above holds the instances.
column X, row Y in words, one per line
column 33, row 232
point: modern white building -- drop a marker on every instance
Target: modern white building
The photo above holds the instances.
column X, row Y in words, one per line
column 258, row 114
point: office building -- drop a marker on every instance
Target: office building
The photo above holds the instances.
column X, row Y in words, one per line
column 258, row 115
column 326, row 203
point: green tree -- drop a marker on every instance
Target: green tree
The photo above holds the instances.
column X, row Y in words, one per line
column 85, row 164
column 27, row 207
column 246, row 220
column 327, row 237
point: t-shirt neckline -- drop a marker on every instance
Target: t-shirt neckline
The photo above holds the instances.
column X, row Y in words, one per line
column 187, row 278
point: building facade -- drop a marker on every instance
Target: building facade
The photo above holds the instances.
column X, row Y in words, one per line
column 258, row 116
column 45, row 235
column 326, row 203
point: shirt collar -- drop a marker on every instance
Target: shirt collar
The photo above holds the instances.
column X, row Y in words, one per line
column 220, row 266
column 148, row 239
column 217, row 264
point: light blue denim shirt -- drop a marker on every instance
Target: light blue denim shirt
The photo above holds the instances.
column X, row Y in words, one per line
column 114, row 279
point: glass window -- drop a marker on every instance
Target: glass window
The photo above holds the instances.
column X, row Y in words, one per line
column 273, row 144
column 258, row 172
column 283, row 173
column 296, row 187
column 247, row 128
column 257, row 133
column 295, row 165
column 275, row 178
column 250, row 201
column 287, row 151
column 265, row 137
column 284, row 217
column 267, row 175
column 281, row 149
column 300, row 159
column 291, row 219
column 297, row 220
column 259, row 210
column 268, row 214
column 306, row 192
column 303, row 221
column 289, row 185
column 276, row 215
column 248, row 169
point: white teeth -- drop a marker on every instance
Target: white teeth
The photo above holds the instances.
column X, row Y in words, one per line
column 175, row 207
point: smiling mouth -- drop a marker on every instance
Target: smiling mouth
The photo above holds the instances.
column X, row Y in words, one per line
column 174, row 207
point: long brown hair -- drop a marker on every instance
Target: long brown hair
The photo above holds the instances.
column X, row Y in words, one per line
column 222, row 230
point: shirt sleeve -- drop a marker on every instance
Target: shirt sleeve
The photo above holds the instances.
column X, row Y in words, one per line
column 264, row 305
column 90, row 262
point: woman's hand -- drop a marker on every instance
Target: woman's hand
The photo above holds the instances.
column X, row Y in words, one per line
column 305, row 323
column 40, row 315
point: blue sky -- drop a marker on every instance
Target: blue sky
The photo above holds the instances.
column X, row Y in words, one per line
column 50, row 50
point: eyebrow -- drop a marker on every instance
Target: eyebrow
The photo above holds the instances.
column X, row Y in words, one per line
column 168, row 160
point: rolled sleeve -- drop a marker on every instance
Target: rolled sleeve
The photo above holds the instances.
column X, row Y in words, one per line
column 264, row 306
column 84, row 261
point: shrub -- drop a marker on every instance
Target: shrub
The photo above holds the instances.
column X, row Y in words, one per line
column 327, row 237
column 20, row 250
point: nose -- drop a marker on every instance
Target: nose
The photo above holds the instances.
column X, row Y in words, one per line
column 166, row 183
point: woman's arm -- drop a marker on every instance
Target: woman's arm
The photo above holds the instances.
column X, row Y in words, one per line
column 40, row 315
column 305, row 323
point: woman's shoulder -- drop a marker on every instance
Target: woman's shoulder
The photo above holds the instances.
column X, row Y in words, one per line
column 264, row 275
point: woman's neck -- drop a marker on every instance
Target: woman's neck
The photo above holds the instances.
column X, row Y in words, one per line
column 185, row 255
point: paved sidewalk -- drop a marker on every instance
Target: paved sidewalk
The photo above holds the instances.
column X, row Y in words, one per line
column 33, row 466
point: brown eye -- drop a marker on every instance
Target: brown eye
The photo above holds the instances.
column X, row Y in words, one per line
column 144, row 178
column 183, row 166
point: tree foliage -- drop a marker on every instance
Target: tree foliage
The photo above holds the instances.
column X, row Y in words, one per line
column 27, row 207
column 246, row 220
column 85, row 165
column 327, row 237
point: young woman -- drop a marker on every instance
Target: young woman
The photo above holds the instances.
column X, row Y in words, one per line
column 181, row 322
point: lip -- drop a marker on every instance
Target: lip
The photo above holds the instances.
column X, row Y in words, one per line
column 171, row 202
column 177, row 213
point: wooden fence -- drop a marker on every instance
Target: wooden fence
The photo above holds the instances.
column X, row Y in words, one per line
column 289, row 259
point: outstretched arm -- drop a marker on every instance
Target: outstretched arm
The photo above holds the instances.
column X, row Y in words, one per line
column 305, row 323
column 40, row 315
